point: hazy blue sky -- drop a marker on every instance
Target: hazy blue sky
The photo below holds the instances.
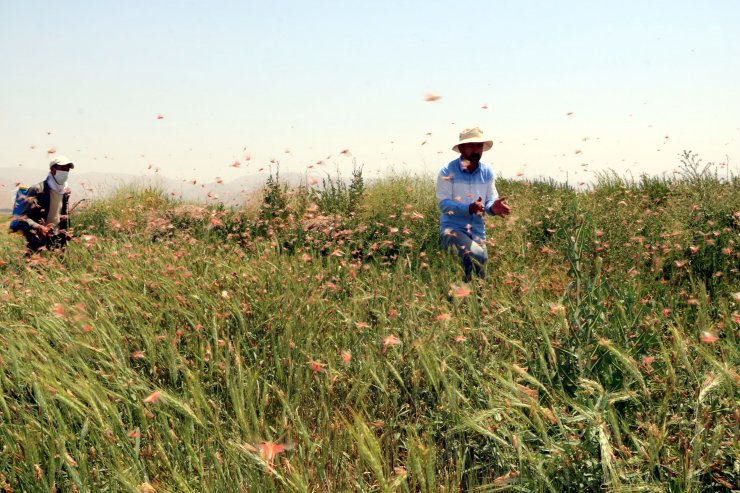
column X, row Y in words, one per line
column 643, row 80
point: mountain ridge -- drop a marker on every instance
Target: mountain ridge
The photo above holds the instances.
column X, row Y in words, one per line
column 96, row 185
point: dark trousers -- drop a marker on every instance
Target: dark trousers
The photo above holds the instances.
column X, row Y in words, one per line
column 35, row 242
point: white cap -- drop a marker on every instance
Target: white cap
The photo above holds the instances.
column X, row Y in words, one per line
column 61, row 161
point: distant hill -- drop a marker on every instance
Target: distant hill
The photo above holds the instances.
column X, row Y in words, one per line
column 98, row 185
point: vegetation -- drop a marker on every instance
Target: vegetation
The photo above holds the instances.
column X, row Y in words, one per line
column 323, row 342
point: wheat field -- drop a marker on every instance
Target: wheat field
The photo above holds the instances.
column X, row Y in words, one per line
column 322, row 341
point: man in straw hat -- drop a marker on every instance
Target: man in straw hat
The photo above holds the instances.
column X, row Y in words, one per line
column 466, row 190
column 43, row 214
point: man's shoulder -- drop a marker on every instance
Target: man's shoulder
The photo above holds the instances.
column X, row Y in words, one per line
column 486, row 170
column 450, row 167
column 36, row 188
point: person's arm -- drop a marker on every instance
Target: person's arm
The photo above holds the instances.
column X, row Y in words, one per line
column 447, row 203
column 64, row 213
column 495, row 205
column 491, row 193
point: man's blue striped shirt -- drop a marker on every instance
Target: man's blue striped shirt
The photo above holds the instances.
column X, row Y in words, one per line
column 457, row 188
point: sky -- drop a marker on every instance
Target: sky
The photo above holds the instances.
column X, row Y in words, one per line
column 196, row 89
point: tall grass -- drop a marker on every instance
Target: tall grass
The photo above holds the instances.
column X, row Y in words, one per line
column 174, row 347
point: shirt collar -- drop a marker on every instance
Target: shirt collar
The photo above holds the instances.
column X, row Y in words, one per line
column 464, row 170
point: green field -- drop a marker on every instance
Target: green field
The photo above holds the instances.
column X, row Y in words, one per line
column 323, row 342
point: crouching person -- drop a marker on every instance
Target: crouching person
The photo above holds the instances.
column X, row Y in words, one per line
column 42, row 216
column 466, row 191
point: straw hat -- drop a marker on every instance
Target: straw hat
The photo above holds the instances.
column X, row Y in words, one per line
column 473, row 135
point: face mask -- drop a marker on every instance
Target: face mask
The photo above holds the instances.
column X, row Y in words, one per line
column 61, row 177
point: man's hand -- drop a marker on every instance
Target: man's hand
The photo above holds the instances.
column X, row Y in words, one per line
column 499, row 208
column 477, row 208
column 43, row 231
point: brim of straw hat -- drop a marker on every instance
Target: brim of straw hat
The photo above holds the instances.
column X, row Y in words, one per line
column 487, row 144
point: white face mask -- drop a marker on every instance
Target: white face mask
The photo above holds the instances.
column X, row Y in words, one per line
column 61, row 177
